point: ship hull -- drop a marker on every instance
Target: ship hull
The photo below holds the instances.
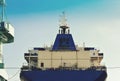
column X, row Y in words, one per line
column 63, row 75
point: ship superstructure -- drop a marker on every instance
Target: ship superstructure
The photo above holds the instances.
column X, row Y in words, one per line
column 63, row 61
column 6, row 36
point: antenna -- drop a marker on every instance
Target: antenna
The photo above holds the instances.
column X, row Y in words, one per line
column 63, row 24
column 63, row 19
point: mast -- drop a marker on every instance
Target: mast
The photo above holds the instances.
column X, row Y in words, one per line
column 64, row 29
column 64, row 40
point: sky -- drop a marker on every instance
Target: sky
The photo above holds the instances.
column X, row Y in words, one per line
column 36, row 23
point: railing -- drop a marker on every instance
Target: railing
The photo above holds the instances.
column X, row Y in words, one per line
column 98, row 68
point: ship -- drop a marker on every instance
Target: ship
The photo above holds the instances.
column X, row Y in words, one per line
column 6, row 36
column 63, row 61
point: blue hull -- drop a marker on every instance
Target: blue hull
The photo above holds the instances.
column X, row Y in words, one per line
column 64, row 75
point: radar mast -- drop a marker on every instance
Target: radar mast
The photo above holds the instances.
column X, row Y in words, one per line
column 64, row 29
column 64, row 40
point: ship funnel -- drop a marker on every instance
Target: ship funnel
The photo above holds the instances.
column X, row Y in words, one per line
column 64, row 40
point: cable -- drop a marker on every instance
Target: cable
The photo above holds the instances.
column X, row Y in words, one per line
column 12, row 67
column 14, row 75
column 113, row 67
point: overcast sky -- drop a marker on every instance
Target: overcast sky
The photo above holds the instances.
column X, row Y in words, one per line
column 36, row 23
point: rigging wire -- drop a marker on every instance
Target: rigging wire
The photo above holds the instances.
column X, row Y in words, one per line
column 12, row 67
column 14, row 75
column 113, row 67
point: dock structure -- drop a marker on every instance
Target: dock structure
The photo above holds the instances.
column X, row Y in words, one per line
column 6, row 36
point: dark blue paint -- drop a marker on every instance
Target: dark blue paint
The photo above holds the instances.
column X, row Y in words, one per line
column 64, row 42
column 64, row 75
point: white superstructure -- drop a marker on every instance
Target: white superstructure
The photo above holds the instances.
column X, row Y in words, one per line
column 83, row 57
